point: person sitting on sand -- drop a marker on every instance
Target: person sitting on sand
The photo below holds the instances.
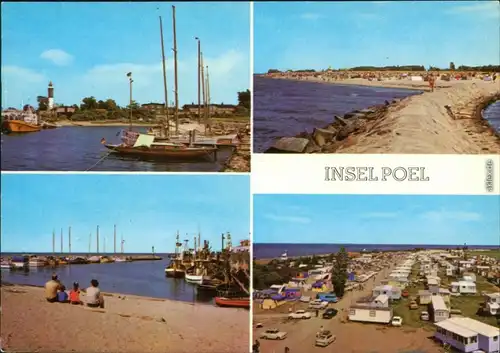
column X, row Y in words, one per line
column 94, row 295
column 62, row 296
column 51, row 288
column 74, row 294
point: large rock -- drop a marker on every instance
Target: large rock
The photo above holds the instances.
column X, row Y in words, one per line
column 340, row 121
column 289, row 145
column 323, row 136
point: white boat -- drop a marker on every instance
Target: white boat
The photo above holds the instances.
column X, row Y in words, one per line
column 120, row 259
column 284, row 256
column 196, row 279
column 37, row 262
column 18, row 262
column 5, row 265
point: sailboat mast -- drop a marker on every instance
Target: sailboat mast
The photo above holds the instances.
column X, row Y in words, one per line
column 175, row 72
column 164, row 75
column 202, row 74
column 114, row 240
column 61, row 241
column 207, row 123
column 53, row 242
column 69, row 240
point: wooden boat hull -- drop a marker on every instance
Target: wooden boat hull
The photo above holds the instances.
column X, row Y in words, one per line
column 163, row 153
column 233, row 302
column 174, row 273
column 19, row 126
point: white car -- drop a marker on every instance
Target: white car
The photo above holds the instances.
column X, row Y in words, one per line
column 318, row 304
column 424, row 316
column 300, row 314
column 397, row 321
column 273, row 334
column 325, row 338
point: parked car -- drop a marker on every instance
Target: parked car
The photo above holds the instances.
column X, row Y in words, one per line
column 397, row 321
column 300, row 314
column 424, row 316
column 324, row 339
column 318, row 304
column 330, row 313
column 273, row 334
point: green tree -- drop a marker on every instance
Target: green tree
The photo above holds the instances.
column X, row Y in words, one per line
column 133, row 105
column 42, row 103
column 88, row 103
column 111, row 104
column 452, row 66
column 339, row 271
column 244, row 99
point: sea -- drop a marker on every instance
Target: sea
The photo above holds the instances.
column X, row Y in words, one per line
column 271, row 251
column 74, row 148
column 145, row 278
column 287, row 108
column 492, row 114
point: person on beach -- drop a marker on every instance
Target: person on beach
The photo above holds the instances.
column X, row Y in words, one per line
column 51, row 288
column 431, row 82
column 62, row 296
column 94, row 295
column 74, row 294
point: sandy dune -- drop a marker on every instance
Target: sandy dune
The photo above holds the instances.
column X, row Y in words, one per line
column 127, row 324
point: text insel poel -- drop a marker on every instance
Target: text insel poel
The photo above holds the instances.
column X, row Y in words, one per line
column 375, row 174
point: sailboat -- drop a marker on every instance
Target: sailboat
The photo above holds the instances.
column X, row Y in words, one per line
column 145, row 145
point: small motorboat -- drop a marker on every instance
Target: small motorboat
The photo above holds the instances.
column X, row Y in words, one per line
column 196, row 279
column 241, row 302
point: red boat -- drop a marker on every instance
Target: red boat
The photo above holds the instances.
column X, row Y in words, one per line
column 243, row 302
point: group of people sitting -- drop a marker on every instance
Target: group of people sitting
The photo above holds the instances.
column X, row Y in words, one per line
column 55, row 292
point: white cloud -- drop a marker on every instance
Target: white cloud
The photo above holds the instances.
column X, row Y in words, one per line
column 21, row 74
column 380, row 215
column 311, row 16
column 443, row 215
column 57, row 56
column 229, row 73
column 288, row 219
column 489, row 9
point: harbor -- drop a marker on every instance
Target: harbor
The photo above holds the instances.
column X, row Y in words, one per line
column 154, row 136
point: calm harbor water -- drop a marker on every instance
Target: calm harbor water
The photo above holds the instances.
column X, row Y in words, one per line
column 145, row 278
column 286, row 108
column 269, row 251
column 76, row 148
column 492, row 114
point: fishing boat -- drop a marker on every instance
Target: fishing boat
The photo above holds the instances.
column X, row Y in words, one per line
column 174, row 272
column 78, row 260
column 192, row 278
column 94, row 259
column 21, row 121
column 37, row 262
column 241, row 302
column 176, row 268
column 47, row 125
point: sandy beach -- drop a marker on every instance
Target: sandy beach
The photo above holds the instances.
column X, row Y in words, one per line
column 127, row 324
column 421, row 124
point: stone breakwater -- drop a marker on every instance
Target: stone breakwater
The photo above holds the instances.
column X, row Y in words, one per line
column 446, row 121
column 333, row 136
column 240, row 158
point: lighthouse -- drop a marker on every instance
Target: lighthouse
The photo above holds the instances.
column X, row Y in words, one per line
column 50, row 95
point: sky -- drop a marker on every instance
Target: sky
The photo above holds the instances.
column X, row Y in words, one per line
column 377, row 219
column 87, row 48
column 316, row 35
column 148, row 210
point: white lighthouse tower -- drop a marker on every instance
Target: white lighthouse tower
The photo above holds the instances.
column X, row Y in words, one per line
column 50, row 95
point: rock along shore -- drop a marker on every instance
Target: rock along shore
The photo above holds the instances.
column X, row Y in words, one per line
column 447, row 120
